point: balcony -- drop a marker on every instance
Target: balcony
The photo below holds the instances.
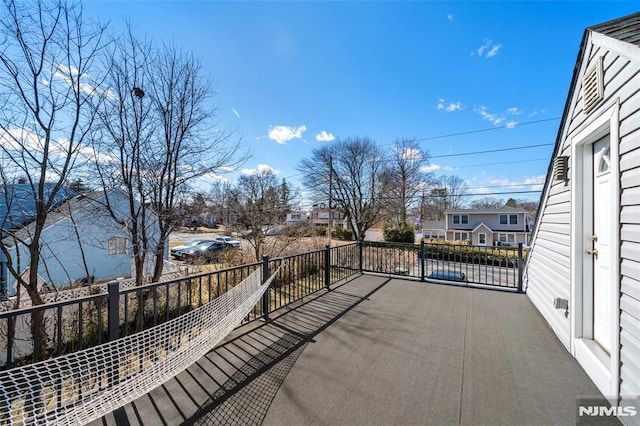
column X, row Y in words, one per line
column 354, row 334
column 379, row 350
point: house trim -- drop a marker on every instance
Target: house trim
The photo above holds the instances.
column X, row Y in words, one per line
column 603, row 369
column 622, row 48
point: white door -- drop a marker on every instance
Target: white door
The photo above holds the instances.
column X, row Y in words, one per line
column 482, row 239
column 601, row 249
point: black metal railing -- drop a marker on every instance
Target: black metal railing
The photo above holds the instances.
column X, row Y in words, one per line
column 46, row 331
column 490, row 266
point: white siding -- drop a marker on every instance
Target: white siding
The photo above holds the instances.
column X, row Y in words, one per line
column 548, row 271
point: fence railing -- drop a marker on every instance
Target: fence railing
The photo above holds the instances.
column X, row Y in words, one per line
column 490, row 266
column 36, row 333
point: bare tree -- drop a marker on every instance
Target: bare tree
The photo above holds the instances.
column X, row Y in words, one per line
column 402, row 178
column 259, row 200
column 351, row 168
column 487, row 203
column 121, row 138
column 161, row 131
column 448, row 192
column 47, row 51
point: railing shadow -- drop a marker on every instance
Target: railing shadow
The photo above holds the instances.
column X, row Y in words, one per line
column 236, row 382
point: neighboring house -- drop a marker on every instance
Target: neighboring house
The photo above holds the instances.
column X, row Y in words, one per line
column 583, row 269
column 80, row 240
column 296, row 217
column 318, row 216
column 434, row 229
column 488, row 227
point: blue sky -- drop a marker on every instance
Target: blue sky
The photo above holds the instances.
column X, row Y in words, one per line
column 291, row 76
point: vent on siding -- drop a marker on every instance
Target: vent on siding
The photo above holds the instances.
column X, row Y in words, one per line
column 592, row 90
column 561, row 168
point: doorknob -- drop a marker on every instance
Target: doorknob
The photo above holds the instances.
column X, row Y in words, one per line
column 593, row 252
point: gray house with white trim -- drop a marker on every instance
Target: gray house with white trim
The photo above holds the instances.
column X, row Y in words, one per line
column 488, row 227
column 585, row 251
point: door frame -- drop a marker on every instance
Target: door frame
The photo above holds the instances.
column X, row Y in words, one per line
column 601, row 367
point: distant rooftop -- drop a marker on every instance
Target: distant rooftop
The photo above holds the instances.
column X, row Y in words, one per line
column 503, row 209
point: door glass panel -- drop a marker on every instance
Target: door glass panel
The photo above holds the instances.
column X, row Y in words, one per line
column 605, row 161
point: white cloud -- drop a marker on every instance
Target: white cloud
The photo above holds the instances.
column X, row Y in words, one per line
column 214, row 178
column 261, row 168
column 493, row 118
column 494, row 50
column 283, row 134
column 479, row 190
column 450, row 17
column 536, row 182
column 533, row 183
column 411, row 154
column 488, row 50
column 323, row 136
column 537, row 112
column 450, row 107
column 499, row 119
column 430, row 168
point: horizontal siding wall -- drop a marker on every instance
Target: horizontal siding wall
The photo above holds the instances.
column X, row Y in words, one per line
column 630, row 232
column 548, row 273
column 548, row 266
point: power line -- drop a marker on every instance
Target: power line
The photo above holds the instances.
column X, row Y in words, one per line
column 506, row 126
column 488, row 129
column 496, row 164
column 513, row 148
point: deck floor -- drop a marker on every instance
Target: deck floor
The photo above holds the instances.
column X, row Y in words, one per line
column 379, row 351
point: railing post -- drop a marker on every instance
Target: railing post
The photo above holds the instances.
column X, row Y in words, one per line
column 520, row 267
column 361, row 258
column 265, row 295
column 327, row 267
column 113, row 309
column 422, row 261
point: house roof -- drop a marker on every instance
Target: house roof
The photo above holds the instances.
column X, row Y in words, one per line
column 482, row 225
column 504, row 209
column 62, row 211
column 625, row 29
column 17, row 202
column 434, row 224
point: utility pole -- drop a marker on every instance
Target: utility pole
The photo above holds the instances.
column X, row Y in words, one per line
column 330, row 222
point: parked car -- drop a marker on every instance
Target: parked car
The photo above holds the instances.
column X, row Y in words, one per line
column 230, row 241
column 176, row 251
column 208, row 251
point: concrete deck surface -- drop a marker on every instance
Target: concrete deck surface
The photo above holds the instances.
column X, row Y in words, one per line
column 380, row 351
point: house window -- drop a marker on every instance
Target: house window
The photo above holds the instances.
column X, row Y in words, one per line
column 511, row 219
column 507, row 238
column 460, row 219
column 460, row 236
column 433, row 234
column 116, row 245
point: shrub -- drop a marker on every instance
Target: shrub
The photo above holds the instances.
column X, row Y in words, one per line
column 403, row 233
column 340, row 233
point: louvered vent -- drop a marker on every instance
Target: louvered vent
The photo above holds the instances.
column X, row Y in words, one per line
column 560, row 168
column 592, row 86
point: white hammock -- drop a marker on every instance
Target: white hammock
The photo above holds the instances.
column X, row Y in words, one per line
column 83, row 386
